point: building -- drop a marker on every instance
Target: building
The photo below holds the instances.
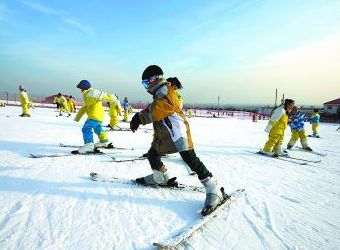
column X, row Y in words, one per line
column 332, row 107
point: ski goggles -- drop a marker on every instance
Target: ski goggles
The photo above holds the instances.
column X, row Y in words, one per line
column 146, row 83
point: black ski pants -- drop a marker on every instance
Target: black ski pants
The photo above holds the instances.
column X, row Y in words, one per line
column 189, row 157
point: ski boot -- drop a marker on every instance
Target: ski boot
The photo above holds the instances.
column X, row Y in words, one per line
column 279, row 152
column 262, row 152
column 87, row 148
column 308, row 148
column 215, row 195
column 106, row 144
column 157, row 178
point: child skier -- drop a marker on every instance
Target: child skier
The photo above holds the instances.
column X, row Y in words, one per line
column 297, row 120
column 276, row 129
column 71, row 104
column 62, row 105
column 176, row 85
column 95, row 115
column 172, row 134
column 24, row 100
column 114, row 111
column 315, row 120
column 126, row 109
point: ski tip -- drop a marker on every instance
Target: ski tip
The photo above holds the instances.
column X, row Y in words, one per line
column 32, row 156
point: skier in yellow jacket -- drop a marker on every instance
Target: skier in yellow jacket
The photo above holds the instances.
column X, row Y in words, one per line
column 114, row 111
column 24, row 100
column 276, row 129
column 94, row 109
column 71, row 104
column 62, row 104
column 172, row 135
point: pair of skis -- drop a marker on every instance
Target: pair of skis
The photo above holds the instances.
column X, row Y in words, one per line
column 185, row 233
column 295, row 160
column 75, row 152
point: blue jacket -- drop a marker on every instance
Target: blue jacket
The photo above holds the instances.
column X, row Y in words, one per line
column 125, row 105
column 297, row 121
column 315, row 118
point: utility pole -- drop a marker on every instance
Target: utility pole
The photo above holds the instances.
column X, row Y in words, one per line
column 6, row 96
column 218, row 106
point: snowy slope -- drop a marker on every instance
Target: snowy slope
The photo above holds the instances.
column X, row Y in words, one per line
column 50, row 203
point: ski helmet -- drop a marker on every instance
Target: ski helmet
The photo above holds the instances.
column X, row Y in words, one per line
column 84, row 84
column 152, row 70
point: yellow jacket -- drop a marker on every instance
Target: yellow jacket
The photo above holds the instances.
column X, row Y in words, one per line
column 278, row 122
column 115, row 108
column 23, row 97
column 71, row 102
column 60, row 100
column 93, row 104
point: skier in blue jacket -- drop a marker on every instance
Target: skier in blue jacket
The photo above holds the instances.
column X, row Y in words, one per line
column 297, row 120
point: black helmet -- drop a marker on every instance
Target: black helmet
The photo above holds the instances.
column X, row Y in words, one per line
column 152, row 70
column 59, row 94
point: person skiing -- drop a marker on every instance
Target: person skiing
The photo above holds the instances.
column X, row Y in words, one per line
column 297, row 119
column 61, row 102
column 315, row 120
column 171, row 135
column 71, row 104
column 94, row 109
column 114, row 111
column 276, row 129
column 24, row 100
column 177, row 85
column 126, row 110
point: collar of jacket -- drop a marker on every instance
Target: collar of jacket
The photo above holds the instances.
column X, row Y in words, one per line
column 159, row 90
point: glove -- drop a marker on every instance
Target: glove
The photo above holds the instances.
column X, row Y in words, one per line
column 135, row 122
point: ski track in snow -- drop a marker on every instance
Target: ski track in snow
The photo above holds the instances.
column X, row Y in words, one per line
column 51, row 203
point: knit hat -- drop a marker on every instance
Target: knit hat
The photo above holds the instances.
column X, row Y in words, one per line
column 84, row 84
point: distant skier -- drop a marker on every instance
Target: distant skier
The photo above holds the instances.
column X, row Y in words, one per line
column 61, row 102
column 315, row 120
column 297, row 120
column 126, row 110
column 94, row 109
column 276, row 129
column 176, row 85
column 172, row 134
column 114, row 111
column 71, row 104
column 25, row 102
column 254, row 117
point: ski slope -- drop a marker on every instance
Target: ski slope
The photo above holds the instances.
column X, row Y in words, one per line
column 50, row 203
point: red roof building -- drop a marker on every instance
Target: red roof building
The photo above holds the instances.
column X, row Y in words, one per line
column 332, row 107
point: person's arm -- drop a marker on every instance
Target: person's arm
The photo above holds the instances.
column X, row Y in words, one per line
column 80, row 113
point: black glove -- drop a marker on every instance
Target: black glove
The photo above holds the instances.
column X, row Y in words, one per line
column 135, row 122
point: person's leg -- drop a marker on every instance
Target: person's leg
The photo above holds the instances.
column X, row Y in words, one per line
column 194, row 163
column 87, row 137
column 278, row 146
column 87, row 132
column 101, row 133
column 272, row 140
column 315, row 128
column 303, row 140
column 293, row 139
column 159, row 175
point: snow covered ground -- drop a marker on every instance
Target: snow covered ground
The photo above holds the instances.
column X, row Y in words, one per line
column 50, row 203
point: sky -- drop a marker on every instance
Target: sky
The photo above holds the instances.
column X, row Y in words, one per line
column 238, row 50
